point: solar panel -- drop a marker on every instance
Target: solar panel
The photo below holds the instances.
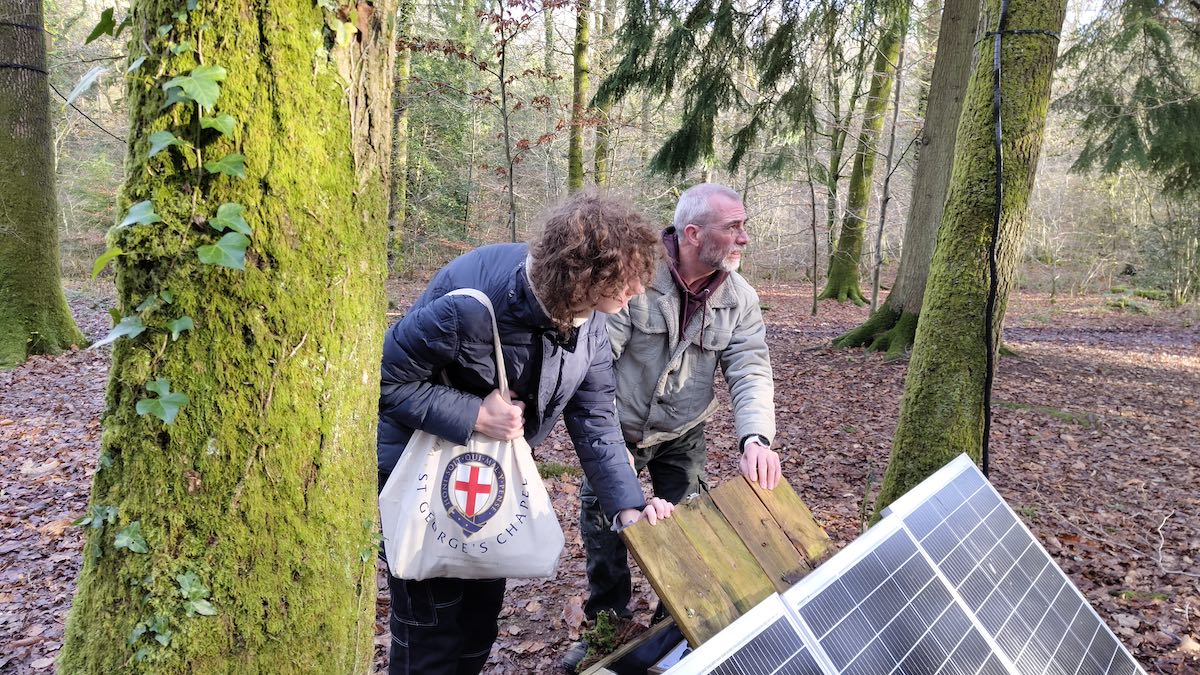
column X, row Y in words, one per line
column 949, row 582
column 765, row 640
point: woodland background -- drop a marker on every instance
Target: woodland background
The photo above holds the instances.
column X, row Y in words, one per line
column 1096, row 430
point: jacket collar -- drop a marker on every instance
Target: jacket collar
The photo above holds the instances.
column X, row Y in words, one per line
column 664, row 283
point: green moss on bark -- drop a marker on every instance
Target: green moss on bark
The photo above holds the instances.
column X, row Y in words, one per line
column 34, row 317
column 264, row 487
column 941, row 414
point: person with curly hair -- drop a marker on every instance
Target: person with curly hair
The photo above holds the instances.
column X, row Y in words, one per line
column 591, row 256
column 697, row 314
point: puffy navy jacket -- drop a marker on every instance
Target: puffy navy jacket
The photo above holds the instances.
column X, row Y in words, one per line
column 453, row 334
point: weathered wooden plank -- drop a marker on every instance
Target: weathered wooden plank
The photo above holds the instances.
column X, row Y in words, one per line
column 796, row 520
column 762, row 534
column 723, row 552
column 677, row 571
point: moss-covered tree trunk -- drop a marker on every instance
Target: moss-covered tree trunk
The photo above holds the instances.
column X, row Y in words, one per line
column 34, row 318
column 842, row 282
column 578, row 98
column 607, row 21
column 941, row 414
column 257, row 504
column 398, row 206
column 893, row 326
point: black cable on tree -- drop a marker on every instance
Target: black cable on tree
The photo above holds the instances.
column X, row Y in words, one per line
column 989, row 313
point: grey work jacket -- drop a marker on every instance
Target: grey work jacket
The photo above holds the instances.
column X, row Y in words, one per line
column 665, row 380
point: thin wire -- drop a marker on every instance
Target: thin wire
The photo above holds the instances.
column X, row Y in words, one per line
column 21, row 25
column 22, row 66
column 993, row 276
column 85, row 116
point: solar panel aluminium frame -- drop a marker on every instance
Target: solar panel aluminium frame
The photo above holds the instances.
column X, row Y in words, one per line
column 735, row 637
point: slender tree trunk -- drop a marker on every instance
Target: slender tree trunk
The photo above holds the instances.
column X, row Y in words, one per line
column 607, row 21
column 551, row 73
column 257, row 503
column 468, row 38
column 941, row 414
column 842, row 284
column 886, row 198
column 34, row 318
column 893, row 326
column 578, row 98
column 398, row 206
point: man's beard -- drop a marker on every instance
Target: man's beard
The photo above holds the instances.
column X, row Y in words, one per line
column 719, row 257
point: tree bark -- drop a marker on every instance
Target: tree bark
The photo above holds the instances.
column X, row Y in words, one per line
column 842, row 283
column 34, row 317
column 261, row 493
column 398, row 205
column 941, row 414
column 893, row 326
column 607, row 21
column 578, row 98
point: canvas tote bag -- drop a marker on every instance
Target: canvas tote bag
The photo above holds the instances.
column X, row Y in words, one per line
column 477, row 511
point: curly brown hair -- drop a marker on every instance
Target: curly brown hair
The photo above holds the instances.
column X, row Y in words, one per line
column 590, row 246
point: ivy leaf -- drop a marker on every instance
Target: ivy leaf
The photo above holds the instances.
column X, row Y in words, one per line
column 160, row 140
column 138, row 631
column 229, row 251
column 179, row 325
column 174, row 95
column 125, row 23
column 180, row 15
column 229, row 217
column 191, row 587
column 231, row 165
column 182, row 47
column 191, row 4
column 104, row 27
column 131, row 538
column 167, row 296
column 141, row 213
column 151, row 302
column 89, row 78
column 166, row 406
column 200, row 85
column 130, row 326
column 223, row 123
column 137, row 63
column 164, row 29
column 203, row 607
column 104, row 259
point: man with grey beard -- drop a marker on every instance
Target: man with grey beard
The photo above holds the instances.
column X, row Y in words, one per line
column 697, row 313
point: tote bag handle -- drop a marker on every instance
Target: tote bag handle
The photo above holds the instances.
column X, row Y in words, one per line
column 501, row 374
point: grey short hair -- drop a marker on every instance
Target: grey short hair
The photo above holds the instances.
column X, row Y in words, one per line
column 693, row 206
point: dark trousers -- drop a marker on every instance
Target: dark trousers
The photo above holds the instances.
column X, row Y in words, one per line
column 443, row 626
column 676, row 471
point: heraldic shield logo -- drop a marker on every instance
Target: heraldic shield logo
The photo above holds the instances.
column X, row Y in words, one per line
column 473, row 489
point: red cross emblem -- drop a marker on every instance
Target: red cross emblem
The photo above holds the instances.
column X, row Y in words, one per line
column 474, row 491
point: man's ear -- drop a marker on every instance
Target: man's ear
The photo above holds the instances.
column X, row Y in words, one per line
column 691, row 234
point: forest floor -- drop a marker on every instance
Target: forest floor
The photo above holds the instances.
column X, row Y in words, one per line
column 1096, row 445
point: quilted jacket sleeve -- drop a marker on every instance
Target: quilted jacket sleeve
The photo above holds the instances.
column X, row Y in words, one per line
column 591, row 419
column 415, row 350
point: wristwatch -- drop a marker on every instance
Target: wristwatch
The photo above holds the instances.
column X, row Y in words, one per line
column 748, row 437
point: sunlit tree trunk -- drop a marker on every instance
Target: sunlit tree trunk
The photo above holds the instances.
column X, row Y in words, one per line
column 893, row 326
column 257, row 503
column 842, row 283
column 941, row 414
column 578, row 98
column 34, row 318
